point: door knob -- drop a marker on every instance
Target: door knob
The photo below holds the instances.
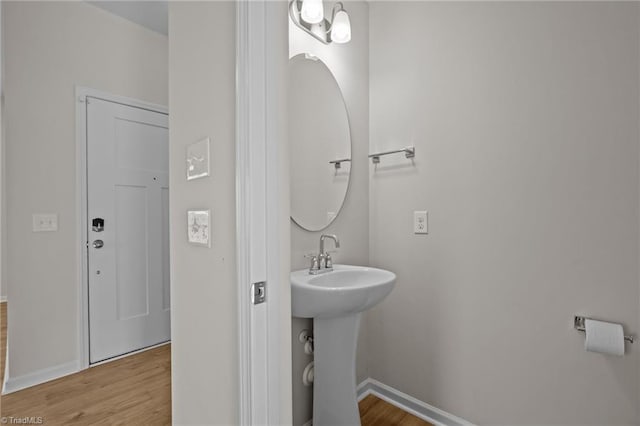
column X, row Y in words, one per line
column 98, row 244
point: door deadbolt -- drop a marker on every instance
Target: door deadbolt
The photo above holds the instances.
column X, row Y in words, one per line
column 97, row 224
column 98, row 244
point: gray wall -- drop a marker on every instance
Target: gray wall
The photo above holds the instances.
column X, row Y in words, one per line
column 202, row 93
column 203, row 281
column 349, row 64
column 525, row 121
column 49, row 48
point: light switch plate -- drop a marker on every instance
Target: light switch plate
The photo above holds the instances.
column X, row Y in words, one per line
column 198, row 159
column 45, row 222
column 199, row 227
column 420, row 222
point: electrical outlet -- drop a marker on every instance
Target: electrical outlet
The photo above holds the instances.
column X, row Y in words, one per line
column 420, row 222
column 45, row 222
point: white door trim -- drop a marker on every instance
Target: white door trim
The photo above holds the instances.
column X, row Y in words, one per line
column 81, row 94
column 259, row 230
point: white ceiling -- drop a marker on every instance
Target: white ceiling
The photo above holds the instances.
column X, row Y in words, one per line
column 150, row 14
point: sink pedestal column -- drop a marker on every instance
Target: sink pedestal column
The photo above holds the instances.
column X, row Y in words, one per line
column 334, row 377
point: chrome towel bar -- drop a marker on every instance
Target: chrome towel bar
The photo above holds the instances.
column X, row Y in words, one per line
column 337, row 164
column 409, row 152
column 578, row 324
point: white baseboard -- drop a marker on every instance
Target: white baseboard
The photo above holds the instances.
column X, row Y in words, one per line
column 3, row 299
column 13, row 384
column 6, row 367
column 56, row 372
column 409, row 404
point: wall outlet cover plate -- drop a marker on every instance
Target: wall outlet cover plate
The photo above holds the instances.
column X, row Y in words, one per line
column 198, row 227
column 45, row 222
column 420, row 222
column 198, row 159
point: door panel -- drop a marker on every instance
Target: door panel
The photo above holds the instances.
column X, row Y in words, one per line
column 136, row 146
column 132, row 280
column 128, row 187
column 166, row 273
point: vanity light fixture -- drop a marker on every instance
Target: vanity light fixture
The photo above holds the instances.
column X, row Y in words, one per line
column 312, row 11
column 308, row 15
column 340, row 26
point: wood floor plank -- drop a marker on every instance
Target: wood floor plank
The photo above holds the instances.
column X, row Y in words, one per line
column 366, row 403
column 376, row 412
column 411, row 420
column 135, row 390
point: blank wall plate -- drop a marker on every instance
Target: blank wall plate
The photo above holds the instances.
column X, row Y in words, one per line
column 198, row 159
column 420, row 222
column 45, row 222
column 199, row 227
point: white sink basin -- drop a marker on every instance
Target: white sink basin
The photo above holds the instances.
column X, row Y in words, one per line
column 345, row 290
column 335, row 301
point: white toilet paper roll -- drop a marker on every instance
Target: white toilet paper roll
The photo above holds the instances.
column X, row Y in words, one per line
column 604, row 337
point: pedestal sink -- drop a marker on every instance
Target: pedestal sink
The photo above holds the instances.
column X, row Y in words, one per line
column 335, row 300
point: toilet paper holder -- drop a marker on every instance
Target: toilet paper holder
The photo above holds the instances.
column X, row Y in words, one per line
column 578, row 324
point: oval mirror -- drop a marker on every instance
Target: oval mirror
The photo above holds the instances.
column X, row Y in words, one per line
column 320, row 142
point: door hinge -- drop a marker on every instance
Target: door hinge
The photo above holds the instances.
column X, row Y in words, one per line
column 258, row 292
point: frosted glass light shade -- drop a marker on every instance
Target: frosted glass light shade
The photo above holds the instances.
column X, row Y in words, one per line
column 341, row 28
column 312, row 11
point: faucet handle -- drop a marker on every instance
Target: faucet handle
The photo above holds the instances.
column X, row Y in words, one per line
column 328, row 262
column 315, row 265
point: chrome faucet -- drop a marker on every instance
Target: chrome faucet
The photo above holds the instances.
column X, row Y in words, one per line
column 323, row 262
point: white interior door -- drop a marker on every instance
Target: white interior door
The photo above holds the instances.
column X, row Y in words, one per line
column 128, row 228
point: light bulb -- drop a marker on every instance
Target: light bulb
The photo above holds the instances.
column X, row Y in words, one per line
column 312, row 11
column 341, row 27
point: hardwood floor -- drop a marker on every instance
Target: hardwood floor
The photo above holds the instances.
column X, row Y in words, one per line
column 135, row 390
column 376, row 412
